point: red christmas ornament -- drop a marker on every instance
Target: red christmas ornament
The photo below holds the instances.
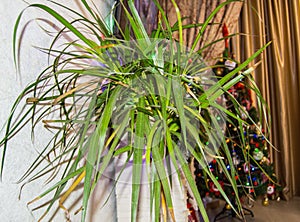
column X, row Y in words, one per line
column 192, row 214
column 239, row 85
column 213, row 189
column 225, row 35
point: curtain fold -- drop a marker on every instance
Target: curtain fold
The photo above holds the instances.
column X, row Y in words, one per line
column 278, row 78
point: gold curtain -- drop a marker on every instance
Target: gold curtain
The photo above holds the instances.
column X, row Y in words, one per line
column 197, row 11
column 278, row 77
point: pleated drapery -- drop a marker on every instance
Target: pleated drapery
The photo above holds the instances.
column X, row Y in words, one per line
column 278, row 77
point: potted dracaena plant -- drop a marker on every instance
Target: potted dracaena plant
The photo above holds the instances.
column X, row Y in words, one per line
column 151, row 100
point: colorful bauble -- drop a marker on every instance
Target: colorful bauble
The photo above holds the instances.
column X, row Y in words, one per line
column 246, row 167
column 265, row 160
column 228, row 207
column 213, row 189
column 265, row 201
column 240, row 85
column 258, row 154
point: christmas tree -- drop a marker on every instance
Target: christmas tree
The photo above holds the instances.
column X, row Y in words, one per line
column 253, row 169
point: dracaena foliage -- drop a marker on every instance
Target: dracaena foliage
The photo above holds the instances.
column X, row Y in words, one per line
column 151, row 100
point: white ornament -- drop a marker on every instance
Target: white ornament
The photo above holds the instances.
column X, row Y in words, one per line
column 270, row 190
column 258, row 155
column 230, row 65
column 236, row 160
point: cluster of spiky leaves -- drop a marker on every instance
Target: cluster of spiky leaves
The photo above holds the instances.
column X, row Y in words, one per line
column 91, row 96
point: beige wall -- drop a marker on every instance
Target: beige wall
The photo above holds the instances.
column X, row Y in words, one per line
column 21, row 150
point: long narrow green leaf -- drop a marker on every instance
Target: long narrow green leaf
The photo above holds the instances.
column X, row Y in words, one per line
column 115, row 137
column 102, row 27
column 191, row 183
column 96, row 143
column 178, row 97
column 137, row 160
column 157, row 198
column 67, row 24
column 61, row 182
column 139, row 24
column 179, row 21
column 160, row 168
column 15, row 54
